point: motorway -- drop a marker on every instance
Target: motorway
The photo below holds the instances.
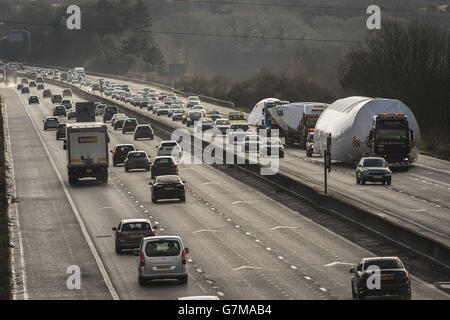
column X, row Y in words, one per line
column 418, row 199
column 243, row 245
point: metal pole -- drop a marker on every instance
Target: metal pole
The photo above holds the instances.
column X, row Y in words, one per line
column 325, row 169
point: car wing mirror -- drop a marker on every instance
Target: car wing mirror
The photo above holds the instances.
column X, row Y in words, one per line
column 150, row 183
column 352, row 270
column 186, row 250
column 114, row 229
column 155, row 227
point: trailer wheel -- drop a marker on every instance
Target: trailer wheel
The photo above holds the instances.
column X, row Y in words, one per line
column 73, row 181
column 363, row 181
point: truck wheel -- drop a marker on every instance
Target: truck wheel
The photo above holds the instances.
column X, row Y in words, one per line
column 154, row 200
column 383, row 182
column 358, row 181
column 389, row 182
column 126, row 169
column 118, row 250
column 73, row 181
column 363, row 181
column 184, row 279
column 141, row 281
column 105, row 178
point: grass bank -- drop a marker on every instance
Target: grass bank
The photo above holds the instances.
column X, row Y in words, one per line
column 4, row 236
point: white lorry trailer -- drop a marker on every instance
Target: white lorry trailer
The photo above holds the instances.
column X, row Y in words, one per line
column 354, row 123
column 87, row 151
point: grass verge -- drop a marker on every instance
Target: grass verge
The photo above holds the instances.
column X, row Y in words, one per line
column 4, row 235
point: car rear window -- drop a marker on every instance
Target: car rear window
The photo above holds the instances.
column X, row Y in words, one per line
column 137, row 155
column 161, row 248
column 163, row 161
column 136, row 226
column 384, row 264
column 167, row 179
column 125, row 148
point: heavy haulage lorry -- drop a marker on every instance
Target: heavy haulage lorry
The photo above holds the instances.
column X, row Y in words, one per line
column 296, row 120
column 87, row 151
column 391, row 138
column 362, row 126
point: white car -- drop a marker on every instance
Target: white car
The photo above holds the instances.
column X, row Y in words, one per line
column 201, row 108
column 221, row 126
column 169, row 148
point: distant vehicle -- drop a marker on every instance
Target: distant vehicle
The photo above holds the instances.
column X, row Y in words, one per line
column 67, row 92
column 40, row 86
column 192, row 101
column 271, row 145
column 174, row 107
column 118, row 123
column 178, row 114
column 137, row 160
column 67, row 104
column 394, row 278
column 109, row 112
column 56, row 98
column 214, row 115
column 19, row 86
column 25, row 90
column 87, row 151
column 156, row 106
column 51, row 123
column 251, row 143
column 192, row 117
column 130, row 232
column 373, row 169
column 143, row 131
column 129, row 125
column 61, row 131
column 236, row 117
column 162, row 257
column 310, row 144
column 39, row 80
column 199, row 107
column 47, row 93
column 169, row 148
column 24, row 80
column 33, row 99
column 120, row 153
column 59, row 111
column 71, row 114
column 117, row 116
column 32, row 84
column 168, row 187
column 163, row 109
column 222, row 125
column 238, row 131
column 151, row 104
column 164, row 165
column 100, row 109
column 204, row 124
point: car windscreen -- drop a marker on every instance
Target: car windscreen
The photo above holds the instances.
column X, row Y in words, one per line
column 222, row 123
column 136, row 226
column 384, row 264
column 161, row 248
column 240, row 127
column 168, row 144
column 373, row 163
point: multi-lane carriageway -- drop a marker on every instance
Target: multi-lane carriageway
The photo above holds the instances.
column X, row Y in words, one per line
column 243, row 245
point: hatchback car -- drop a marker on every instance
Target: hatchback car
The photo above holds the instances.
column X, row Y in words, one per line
column 33, row 99
column 32, row 84
column 373, row 169
column 72, row 114
column 178, row 114
column 61, row 131
column 164, row 165
column 51, row 123
column 25, row 90
column 129, row 125
column 192, row 117
column 168, row 187
column 67, row 104
column 129, row 233
column 117, row 116
column 192, row 101
column 120, row 152
column 19, row 86
column 222, row 125
column 162, row 257
column 143, row 131
column 109, row 112
column 59, row 111
column 169, row 148
column 47, row 93
column 137, row 160
column 204, row 124
column 56, row 98
column 394, row 278
column 40, row 86
column 67, row 92
column 100, row 109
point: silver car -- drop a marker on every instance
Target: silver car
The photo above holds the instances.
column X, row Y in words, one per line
column 162, row 257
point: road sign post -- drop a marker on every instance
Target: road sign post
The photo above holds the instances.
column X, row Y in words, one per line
column 175, row 70
column 327, row 162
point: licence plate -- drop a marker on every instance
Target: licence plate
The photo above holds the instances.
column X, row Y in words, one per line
column 136, row 235
column 88, row 170
column 171, row 188
column 163, row 267
column 387, row 277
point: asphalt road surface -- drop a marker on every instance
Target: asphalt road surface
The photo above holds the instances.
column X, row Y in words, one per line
column 243, row 245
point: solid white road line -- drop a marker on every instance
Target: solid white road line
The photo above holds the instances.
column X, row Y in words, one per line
column 94, row 252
